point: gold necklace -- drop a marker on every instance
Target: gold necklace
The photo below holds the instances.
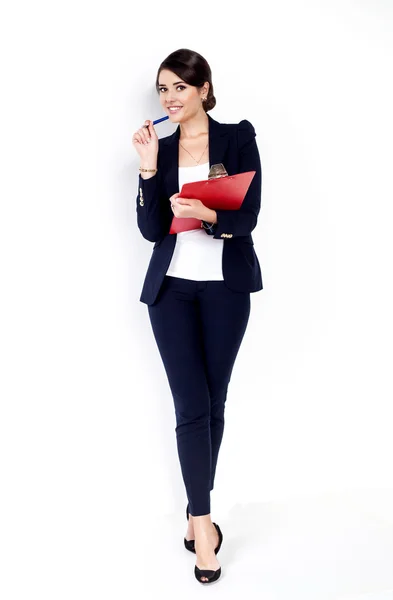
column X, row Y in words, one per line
column 197, row 161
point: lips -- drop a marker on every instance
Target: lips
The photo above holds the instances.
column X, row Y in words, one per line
column 174, row 107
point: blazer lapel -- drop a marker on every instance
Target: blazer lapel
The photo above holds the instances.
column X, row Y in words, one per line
column 218, row 143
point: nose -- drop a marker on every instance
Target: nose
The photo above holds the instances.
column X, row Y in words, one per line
column 169, row 98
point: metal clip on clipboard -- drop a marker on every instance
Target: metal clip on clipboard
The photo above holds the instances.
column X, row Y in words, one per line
column 217, row 171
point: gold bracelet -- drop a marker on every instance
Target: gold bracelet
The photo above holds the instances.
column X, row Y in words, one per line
column 148, row 170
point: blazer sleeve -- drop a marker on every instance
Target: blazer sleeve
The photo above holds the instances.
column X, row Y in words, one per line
column 242, row 221
column 152, row 208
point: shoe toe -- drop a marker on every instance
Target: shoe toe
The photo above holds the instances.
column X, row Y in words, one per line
column 208, row 574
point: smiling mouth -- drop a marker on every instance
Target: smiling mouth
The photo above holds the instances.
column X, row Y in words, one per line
column 174, row 109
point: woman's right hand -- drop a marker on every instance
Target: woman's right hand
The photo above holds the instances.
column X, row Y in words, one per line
column 145, row 142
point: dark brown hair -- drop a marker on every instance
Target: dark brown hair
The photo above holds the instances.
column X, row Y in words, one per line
column 192, row 68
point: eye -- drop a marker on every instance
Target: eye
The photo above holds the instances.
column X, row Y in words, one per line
column 183, row 87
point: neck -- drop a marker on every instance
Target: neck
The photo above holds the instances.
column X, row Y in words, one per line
column 195, row 127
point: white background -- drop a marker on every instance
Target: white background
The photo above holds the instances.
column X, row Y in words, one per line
column 93, row 503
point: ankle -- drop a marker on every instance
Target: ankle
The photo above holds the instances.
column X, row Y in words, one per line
column 203, row 521
column 204, row 528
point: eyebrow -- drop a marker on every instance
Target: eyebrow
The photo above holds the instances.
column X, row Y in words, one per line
column 176, row 83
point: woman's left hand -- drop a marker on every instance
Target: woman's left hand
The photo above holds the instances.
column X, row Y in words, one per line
column 184, row 208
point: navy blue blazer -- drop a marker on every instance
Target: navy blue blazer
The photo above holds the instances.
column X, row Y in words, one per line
column 235, row 147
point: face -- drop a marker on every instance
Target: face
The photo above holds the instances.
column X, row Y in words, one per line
column 175, row 92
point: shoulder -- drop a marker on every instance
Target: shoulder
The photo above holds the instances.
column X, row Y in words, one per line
column 246, row 126
column 243, row 131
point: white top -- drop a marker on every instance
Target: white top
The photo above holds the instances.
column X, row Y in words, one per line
column 197, row 255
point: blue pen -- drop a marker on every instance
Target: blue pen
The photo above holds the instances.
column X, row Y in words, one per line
column 158, row 120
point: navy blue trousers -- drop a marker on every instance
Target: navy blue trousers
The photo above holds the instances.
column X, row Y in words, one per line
column 198, row 327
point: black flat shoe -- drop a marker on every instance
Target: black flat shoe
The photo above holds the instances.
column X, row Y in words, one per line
column 210, row 575
column 220, row 538
column 190, row 544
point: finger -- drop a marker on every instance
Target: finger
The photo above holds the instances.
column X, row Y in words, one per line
column 146, row 130
column 144, row 135
column 151, row 129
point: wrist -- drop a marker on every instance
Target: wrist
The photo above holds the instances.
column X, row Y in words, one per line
column 152, row 169
column 145, row 175
column 209, row 215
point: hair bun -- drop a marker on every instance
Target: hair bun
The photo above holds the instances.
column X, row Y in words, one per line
column 210, row 103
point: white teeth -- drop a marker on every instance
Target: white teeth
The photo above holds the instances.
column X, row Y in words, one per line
column 174, row 109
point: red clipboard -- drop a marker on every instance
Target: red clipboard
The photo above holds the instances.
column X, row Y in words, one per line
column 221, row 193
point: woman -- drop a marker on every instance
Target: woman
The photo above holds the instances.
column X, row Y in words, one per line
column 198, row 282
